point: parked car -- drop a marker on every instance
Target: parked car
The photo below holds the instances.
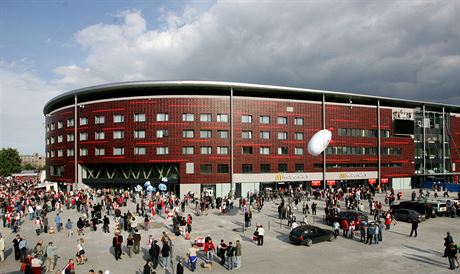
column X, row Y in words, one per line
column 408, row 215
column 425, row 208
column 308, row 234
column 359, row 217
column 440, row 207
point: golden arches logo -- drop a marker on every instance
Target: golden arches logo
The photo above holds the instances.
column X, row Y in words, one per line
column 278, row 177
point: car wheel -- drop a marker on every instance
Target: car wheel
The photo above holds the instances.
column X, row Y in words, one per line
column 309, row 242
column 331, row 238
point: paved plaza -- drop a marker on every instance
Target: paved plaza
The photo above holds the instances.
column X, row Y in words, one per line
column 398, row 253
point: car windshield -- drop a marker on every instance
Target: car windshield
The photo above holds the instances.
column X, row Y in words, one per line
column 362, row 217
column 297, row 232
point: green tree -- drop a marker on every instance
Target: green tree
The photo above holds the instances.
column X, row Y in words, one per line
column 10, row 162
column 28, row 166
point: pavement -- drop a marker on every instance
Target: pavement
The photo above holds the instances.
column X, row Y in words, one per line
column 398, row 253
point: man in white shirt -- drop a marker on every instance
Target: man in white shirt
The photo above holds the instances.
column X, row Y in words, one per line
column 260, row 238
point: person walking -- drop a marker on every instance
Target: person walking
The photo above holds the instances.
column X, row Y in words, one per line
column 105, row 226
column 58, row 222
column 38, row 225
column 451, row 254
column 69, row 228
column 221, row 252
column 230, row 253
column 154, row 253
column 116, row 243
column 238, row 254
column 23, row 249
column 414, row 228
column 165, row 255
column 148, row 269
column 180, row 267
column 447, row 241
column 80, row 256
column 260, row 237
column 192, row 257
column 2, row 248
column 17, row 250
column 80, row 226
column 137, row 241
column 50, row 257
column 209, row 249
column 313, row 208
column 130, row 244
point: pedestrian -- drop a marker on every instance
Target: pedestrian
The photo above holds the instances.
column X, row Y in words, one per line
column 50, row 252
column 221, row 251
column 116, row 243
column 313, row 208
column 137, row 241
column 17, row 251
column 180, row 267
column 38, row 225
column 23, row 249
column 38, row 249
column 336, row 227
column 189, row 223
column 447, row 241
column 209, row 248
column 260, row 237
column 81, row 226
column 36, row 265
column 69, row 228
column 414, row 228
column 238, row 254
column 58, row 222
column 451, row 254
column 69, row 268
column 130, row 244
column 370, row 234
column 230, row 252
column 148, row 269
column 192, row 257
column 154, row 253
column 2, row 248
column 362, row 233
column 105, row 226
column 80, row 256
column 165, row 255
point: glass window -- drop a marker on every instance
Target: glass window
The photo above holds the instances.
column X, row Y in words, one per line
column 222, row 168
column 205, row 150
column 52, row 139
column 60, row 124
column 83, row 151
column 99, row 119
column 60, row 139
column 298, row 121
column 298, row 135
column 140, row 134
column 52, row 153
column 205, row 117
column 188, row 117
column 139, row 151
column 60, row 153
column 282, row 150
column 222, row 118
column 299, row 168
column 298, row 151
column 223, row 134
column 246, row 119
column 265, row 168
column 70, row 122
column 118, row 134
column 282, row 135
column 83, row 121
column 118, row 118
column 282, row 168
column 282, row 120
column 265, row 135
column 222, row 150
column 205, row 168
column 47, row 128
column 264, row 119
column 52, row 126
column 118, row 151
column 83, row 136
column 188, row 150
column 70, row 152
column 99, row 151
column 246, row 134
column 265, row 150
column 48, row 141
column 99, row 135
column 246, row 150
column 162, row 117
column 247, row 168
column 70, row 137
column 205, row 134
column 162, row 150
column 188, row 133
column 161, row 133
column 139, row 117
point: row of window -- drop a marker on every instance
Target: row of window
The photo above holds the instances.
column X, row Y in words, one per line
column 248, row 168
column 164, row 117
column 354, row 132
column 357, row 165
column 163, row 133
column 393, row 151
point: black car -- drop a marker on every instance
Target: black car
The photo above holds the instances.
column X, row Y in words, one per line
column 308, row 234
column 408, row 215
column 360, row 218
column 424, row 208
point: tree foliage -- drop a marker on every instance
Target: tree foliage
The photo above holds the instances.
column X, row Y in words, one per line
column 10, row 162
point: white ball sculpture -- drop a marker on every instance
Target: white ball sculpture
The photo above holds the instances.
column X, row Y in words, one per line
column 319, row 142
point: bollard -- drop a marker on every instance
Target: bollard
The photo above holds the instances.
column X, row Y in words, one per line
column 243, row 228
column 268, row 225
column 280, row 223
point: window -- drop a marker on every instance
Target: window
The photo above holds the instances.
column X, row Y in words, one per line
column 246, row 119
column 222, row 168
column 265, row 119
column 118, row 134
column 162, row 117
column 298, row 135
column 246, row 134
column 223, row 118
column 282, row 120
column 282, row 168
column 140, row 134
column 205, row 117
column 117, row 151
column 47, row 154
column 70, row 137
column 205, row 134
column 83, row 136
column 139, row 117
column 99, row 119
column 70, row 152
column 70, row 122
column 188, row 117
column 188, row 150
column 298, row 121
column 83, row 121
column 99, row 151
column 47, row 128
column 162, row 150
column 60, row 124
column 206, row 169
column 299, row 168
column 60, row 153
column 52, row 126
column 99, row 135
column 48, row 141
column 264, row 168
column 265, row 135
column 205, row 150
column 52, row 139
column 118, row 118
column 246, row 150
column 298, row 151
column 222, row 150
column 60, row 138
column 161, row 133
column 83, row 152
column 282, row 150
column 265, row 150
column 139, row 150
column 52, row 153
column 282, row 135
column 223, row 134
column 247, row 168
column 188, row 134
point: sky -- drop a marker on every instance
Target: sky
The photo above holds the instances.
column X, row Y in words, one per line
column 402, row 49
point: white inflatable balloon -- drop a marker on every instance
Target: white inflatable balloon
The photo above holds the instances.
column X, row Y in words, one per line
column 319, row 141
